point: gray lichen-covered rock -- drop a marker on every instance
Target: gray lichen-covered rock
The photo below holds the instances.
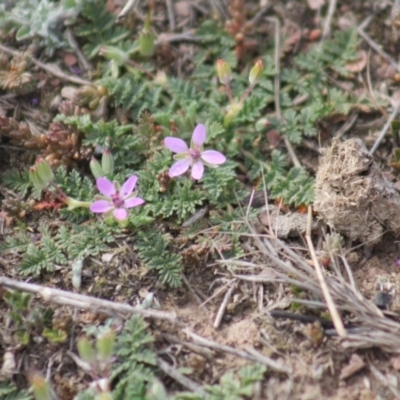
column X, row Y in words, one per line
column 352, row 196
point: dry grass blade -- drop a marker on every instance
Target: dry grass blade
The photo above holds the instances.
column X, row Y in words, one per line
column 382, row 133
column 375, row 45
column 223, row 306
column 277, row 93
column 325, row 290
column 328, row 20
column 50, row 68
column 373, row 328
column 171, row 15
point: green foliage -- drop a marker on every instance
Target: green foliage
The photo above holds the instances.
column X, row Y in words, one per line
column 45, row 256
column 17, row 181
column 253, row 107
column 98, row 28
column 86, row 395
column 84, row 241
column 156, row 252
column 8, row 391
column 222, row 185
column 126, row 147
column 133, row 370
column 73, row 185
column 310, row 79
column 18, row 242
column 297, row 187
column 292, row 187
column 333, row 53
column 135, row 95
column 25, row 319
column 185, row 199
column 181, row 199
column 40, row 19
column 230, row 387
column 71, row 242
column 275, row 168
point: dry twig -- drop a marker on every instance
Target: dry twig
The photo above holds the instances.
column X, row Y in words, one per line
column 347, row 125
column 371, row 328
column 171, row 15
column 130, row 4
column 223, row 306
column 49, row 68
column 207, row 353
column 382, row 133
column 375, row 46
column 94, row 304
column 183, row 380
column 328, row 20
column 73, row 43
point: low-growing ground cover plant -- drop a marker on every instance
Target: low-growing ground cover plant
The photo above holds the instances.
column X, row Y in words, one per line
column 161, row 156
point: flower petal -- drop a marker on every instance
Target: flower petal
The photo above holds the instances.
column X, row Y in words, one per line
column 101, row 206
column 197, row 170
column 199, row 135
column 128, row 186
column 176, row 145
column 120, row 214
column 133, row 202
column 105, row 187
column 213, row 157
column 179, row 168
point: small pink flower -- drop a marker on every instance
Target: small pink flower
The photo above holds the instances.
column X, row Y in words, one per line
column 115, row 199
column 194, row 156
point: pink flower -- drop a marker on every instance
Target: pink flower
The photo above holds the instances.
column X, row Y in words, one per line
column 114, row 199
column 194, row 156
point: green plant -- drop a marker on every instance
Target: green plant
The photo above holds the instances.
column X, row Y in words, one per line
column 40, row 19
column 71, row 242
column 230, row 387
column 27, row 320
column 134, row 369
column 8, row 391
column 98, row 28
column 18, row 181
column 155, row 251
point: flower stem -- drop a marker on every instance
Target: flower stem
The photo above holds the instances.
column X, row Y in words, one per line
column 229, row 92
column 245, row 95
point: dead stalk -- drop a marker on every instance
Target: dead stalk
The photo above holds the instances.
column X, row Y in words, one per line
column 328, row 20
column 171, row 15
column 62, row 297
column 385, row 128
column 223, row 306
column 49, row 68
column 183, row 380
column 337, row 321
column 375, row 46
column 277, row 85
